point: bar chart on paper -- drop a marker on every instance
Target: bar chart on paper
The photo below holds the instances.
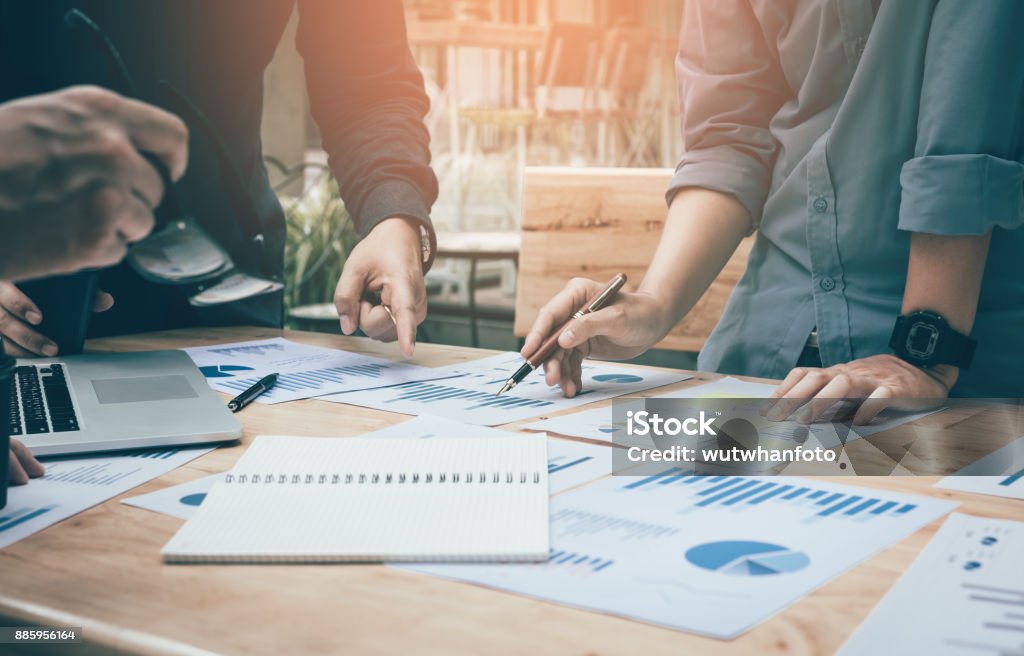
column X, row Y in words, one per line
column 471, row 397
column 72, row 485
column 707, row 554
column 963, row 595
column 305, row 371
column 1000, row 474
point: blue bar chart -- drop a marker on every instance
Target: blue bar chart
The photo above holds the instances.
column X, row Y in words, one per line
column 9, row 520
column 430, row 393
column 583, row 563
column 313, row 380
column 469, row 394
column 257, row 349
column 742, row 493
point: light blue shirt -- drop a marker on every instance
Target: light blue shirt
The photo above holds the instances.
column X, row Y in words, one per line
column 844, row 127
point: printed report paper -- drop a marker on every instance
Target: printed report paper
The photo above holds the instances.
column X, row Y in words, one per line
column 72, row 485
column 712, row 555
column 471, row 398
column 305, row 371
column 963, row 595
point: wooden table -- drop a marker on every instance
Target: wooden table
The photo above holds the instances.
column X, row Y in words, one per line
column 101, row 570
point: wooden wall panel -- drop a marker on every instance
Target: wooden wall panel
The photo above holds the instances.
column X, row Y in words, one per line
column 595, row 222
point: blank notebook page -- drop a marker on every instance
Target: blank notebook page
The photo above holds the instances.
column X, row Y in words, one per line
column 300, row 499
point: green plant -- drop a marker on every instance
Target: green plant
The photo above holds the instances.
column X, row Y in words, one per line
column 319, row 237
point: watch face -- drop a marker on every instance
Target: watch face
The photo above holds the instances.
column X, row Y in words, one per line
column 921, row 340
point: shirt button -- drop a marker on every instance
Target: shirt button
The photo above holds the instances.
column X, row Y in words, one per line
column 828, row 284
column 820, row 205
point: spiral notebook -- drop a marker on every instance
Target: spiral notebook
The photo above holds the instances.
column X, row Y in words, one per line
column 299, row 499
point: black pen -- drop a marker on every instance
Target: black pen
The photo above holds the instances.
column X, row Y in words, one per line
column 250, row 395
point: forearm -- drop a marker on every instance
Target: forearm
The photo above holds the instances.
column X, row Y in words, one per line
column 944, row 276
column 368, row 99
column 701, row 233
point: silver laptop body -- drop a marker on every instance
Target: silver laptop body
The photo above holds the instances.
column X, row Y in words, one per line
column 115, row 401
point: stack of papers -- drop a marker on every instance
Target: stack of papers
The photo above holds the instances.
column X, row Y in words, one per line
column 72, row 485
column 469, row 393
column 305, row 371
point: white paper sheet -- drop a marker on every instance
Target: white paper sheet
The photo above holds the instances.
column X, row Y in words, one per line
column 72, row 485
column 1000, row 473
column 305, row 371
column 471, row 397
column 963, row 595
column 711, row 555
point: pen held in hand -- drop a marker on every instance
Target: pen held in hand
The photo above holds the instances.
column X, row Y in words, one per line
column 262, row 386
column 550, row 345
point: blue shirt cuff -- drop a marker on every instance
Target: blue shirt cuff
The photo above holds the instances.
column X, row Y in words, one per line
column 727, row 170
column 961, row 194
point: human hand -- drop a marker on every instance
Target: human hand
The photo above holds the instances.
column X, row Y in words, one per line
column 18, row 315
column 388, row 260
column 22, row 464
column 873, row 384
column 74, row 188
column 631, row 324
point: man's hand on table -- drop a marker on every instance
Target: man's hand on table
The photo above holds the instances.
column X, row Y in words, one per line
column 389, row 260
column 876, row 382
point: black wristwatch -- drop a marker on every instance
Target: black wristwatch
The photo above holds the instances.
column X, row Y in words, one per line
column 925, row 339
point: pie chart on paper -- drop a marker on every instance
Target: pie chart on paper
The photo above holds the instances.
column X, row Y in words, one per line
column 745, row 558
column 617, row 378
column 223, row 370
column 194, row 500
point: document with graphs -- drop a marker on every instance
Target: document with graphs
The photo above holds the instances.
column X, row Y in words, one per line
column 712, row 555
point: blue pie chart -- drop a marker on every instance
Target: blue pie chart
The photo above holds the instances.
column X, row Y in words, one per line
column 617, row 378
column 744, row 558
column 223, row 370
column 193, row 499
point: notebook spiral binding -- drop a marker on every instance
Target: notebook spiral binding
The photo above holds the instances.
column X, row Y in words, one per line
column 386, row 478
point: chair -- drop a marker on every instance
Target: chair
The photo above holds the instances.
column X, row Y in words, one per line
column 594, row 223
column 628, row 101
column 564, row 98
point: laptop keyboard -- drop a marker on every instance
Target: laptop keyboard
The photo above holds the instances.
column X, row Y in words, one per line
column 42, row 402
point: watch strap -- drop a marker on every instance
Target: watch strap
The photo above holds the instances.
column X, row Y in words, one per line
column 950, row 347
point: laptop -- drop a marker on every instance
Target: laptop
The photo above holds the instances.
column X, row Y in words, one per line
column 111, row 401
